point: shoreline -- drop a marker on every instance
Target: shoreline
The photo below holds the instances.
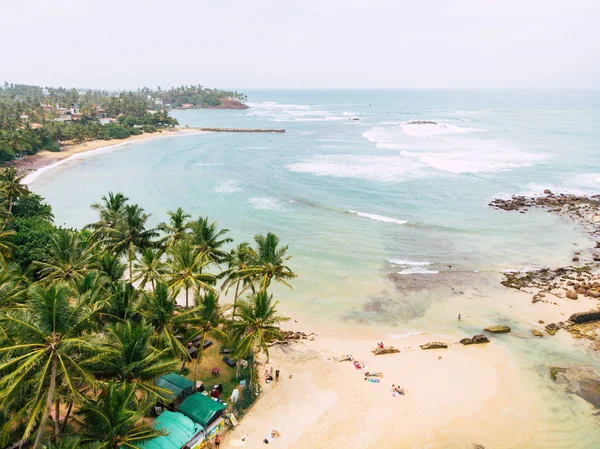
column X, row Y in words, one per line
column 43, row 161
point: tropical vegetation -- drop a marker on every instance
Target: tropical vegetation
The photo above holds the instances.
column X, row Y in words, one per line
column 90, row 318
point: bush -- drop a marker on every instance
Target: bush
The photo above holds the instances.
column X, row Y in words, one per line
column 135, row 131
column 149, row 128
column 6, row 155
column 116, row 131
column 52, row 145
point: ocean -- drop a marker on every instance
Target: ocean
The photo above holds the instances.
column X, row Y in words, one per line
column 382, row 196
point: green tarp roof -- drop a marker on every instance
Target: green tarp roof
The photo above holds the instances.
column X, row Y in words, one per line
column 181, row 429
column 175, row 383
column 200, row 408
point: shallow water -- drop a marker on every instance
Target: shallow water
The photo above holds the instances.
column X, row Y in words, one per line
column 387, row 221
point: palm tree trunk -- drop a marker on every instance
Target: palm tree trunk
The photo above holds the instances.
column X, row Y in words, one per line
column 10, row 205
column 238, row 364
column 199, row 358
column 130, row 269
column 56, row 417
column 64, row 424
column 187, row 305
column 237, row 286
column 44, row 419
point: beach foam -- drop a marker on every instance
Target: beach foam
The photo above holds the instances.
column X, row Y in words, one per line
column 377, row 217
column 417, row 270
column 397, row 261
column 263, row 203
column 372, row 168
column 433, row 129
column 230, row 186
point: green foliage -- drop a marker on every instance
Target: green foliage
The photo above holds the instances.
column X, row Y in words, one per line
column 116, row 131
column 32, row 239
column 135, row 131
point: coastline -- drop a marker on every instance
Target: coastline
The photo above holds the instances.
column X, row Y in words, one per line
column 39, row 163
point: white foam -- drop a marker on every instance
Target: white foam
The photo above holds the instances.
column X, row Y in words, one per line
column 476, row 161
column 349, row 113
column 397, row 261
column 207, row 164
column 405, row 335
column 431, row 129
column 377, row 217
column 373, row 168
column 417, row 270
column 263, row 203
column 230, row 186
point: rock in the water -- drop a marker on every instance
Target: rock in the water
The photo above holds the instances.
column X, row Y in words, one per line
column 480, row 338
column 548, row 192
column 584, row 317
column 497, row 329
column 434, row 345
column 593, row 293
column 466, row 341
column 537, row 333
column 551, row 328
column 571, row 294
column 475, row 446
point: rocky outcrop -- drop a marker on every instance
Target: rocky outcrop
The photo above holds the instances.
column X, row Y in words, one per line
column 388, row 350
column 584, row 317
column 477, row 339
column 537, row 333
column 434, row 345
column 552, row 328
column 497, row 329
column 289, row 336
column 580, row 381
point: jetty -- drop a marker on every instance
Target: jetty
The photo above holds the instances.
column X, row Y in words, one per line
column 240, row 130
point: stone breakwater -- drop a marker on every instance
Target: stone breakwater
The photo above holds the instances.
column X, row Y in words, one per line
column 241, row 130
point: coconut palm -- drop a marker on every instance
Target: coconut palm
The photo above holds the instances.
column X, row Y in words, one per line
column 239, row 259
column 12, row 285
column 176, row 229
column 130, row 356
column 46, row 345
column 184, row 270
column 158, row 307
column 111, row 208
column 268, row 263
column 10, row 183
column 209, row 240
column 257, row 324
column 115, row 419
column 150, row 267
column 110, row 265
column 204, row 320
column 67, row 259
column 130, row 234
column 121, row 303
column 6, row 244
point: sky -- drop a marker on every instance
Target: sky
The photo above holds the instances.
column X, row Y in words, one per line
column 127, row 44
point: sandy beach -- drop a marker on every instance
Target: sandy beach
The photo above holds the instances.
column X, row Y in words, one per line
column 455, row 398
column 37, row 163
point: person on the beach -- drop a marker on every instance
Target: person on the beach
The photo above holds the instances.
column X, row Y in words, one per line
column 276, row 375
column 217, row 440
column 459, row 317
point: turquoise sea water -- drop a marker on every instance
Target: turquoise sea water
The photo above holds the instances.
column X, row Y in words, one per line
column 387, row 221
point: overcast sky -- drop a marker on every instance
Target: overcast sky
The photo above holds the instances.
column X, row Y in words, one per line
column 302, row 43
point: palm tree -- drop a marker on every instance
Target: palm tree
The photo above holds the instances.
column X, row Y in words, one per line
column 122, row 302
column 130, row 234
column 12, row 285
column 268, row 263
column 129, row 356
column 6, row 244
column 115, row 419
column 184, row 268
column 47, row 344
column 257, row 324
column 67, row 259
column 111, row 266
column 158, row 307
column 239, row 259
column 205, row 320
column 176, row 229
column 150, row 267
column 10, row 182
column 209, row 240
column 110, row 209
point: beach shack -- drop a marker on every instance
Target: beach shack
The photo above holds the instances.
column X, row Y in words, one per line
column 180, row 432
column 178, row 385
column 204, row 411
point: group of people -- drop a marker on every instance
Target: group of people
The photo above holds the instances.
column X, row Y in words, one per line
column 397, row 390
column 269, row 375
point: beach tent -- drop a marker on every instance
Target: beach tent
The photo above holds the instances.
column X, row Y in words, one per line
column 201, row 409
column 176, row 384
column 180, row 428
